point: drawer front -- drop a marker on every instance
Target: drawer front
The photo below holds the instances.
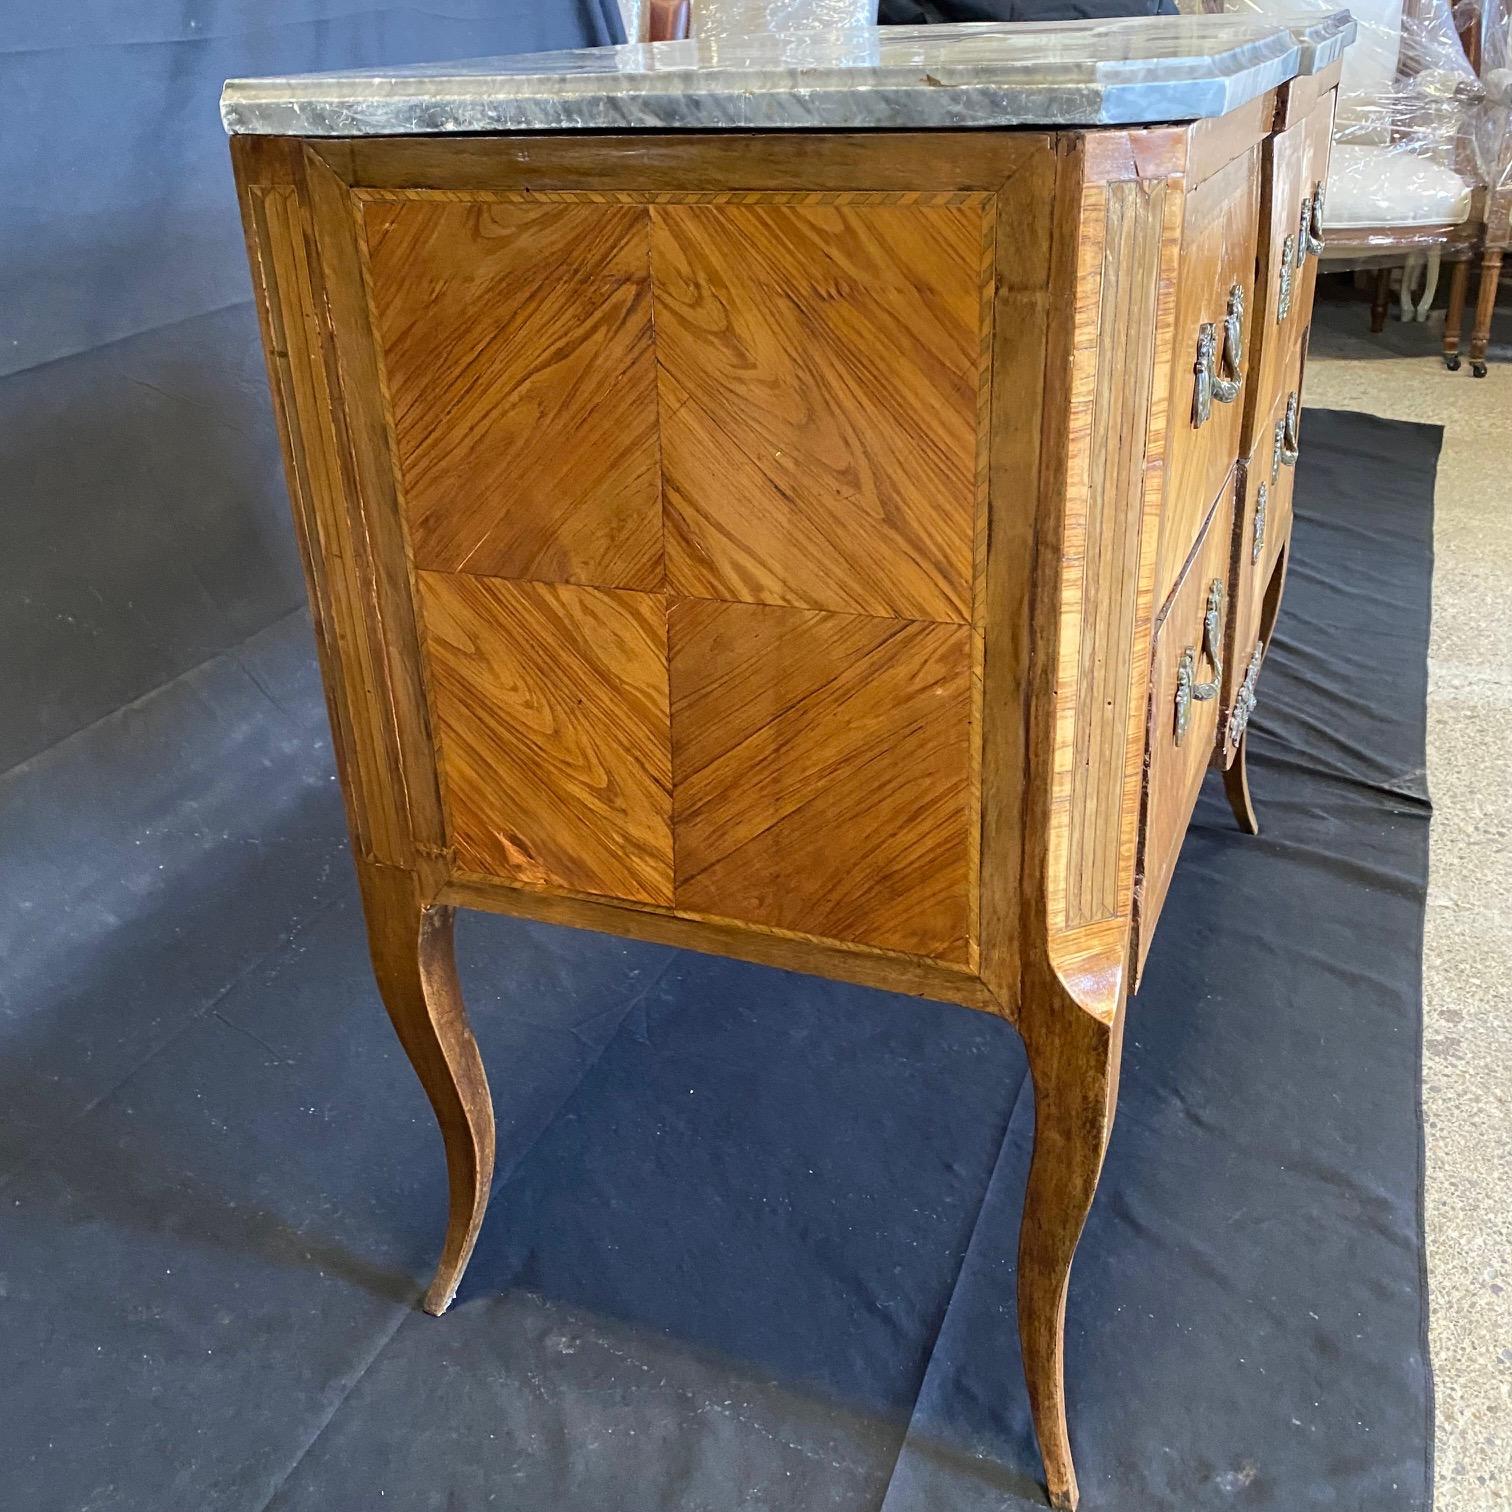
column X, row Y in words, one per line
column 1262, row 528
column 1185, row 686
column 1319, row 127
column 1212, row 353
column 1282, row 309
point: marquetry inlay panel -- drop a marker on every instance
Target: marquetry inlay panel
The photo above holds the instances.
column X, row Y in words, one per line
column 819, row 367
column 820, row 769
column 517, row 350
column 550, row 706
column 695, row 487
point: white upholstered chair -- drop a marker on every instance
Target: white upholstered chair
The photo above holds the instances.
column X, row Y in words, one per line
column 1403, row 183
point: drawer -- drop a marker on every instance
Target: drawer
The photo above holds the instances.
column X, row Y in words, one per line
column 1186, row 679
column 1287, row 228
column 1319, row 127
column 1212, row 336
column 1262, row 528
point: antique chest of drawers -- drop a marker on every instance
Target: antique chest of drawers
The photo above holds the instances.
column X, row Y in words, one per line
column 731, row 524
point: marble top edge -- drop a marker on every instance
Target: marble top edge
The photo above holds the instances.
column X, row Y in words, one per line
column 1078, row 73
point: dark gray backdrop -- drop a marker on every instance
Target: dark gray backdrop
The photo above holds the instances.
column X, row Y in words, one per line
column 146, row 556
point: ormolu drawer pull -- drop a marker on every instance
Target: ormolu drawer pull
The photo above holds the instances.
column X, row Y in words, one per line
column 1286, row 446
column 1222, row 385
column 1188, row 689
column 1312, row 222
column 1244, row 699
column 1290, row 443
column 1284, row 298
column 1262, row 505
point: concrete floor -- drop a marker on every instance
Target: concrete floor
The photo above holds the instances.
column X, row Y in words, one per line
column 1467, row 1072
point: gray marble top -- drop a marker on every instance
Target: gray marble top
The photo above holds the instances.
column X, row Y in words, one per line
column 1070, row 73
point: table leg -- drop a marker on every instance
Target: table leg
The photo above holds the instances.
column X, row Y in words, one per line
column 1073, row 1060
column 1454, row 317
column 411, row 947
column 1236, row 787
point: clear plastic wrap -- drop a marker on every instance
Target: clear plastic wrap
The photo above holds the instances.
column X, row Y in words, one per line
column 1416, row 133
column 1486, row 26
column 738, row 18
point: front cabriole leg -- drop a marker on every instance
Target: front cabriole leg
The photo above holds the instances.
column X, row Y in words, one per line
column 1073, row 1061
column 1236, row 788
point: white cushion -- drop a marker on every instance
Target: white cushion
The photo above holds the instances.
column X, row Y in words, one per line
column 1384, row 186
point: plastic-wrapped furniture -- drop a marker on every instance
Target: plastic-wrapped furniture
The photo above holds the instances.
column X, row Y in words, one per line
column 1484, row 27
column 1406, row 174
column 715, row 19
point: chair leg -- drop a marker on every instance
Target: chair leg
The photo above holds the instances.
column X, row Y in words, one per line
column 1454, row 317
column 1485, row 307
column 411, row 947
column 1409, row 278
column 1381, row 302
column 1430, row 283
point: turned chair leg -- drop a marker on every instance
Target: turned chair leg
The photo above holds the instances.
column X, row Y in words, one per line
column 1236, row 787
column 1073, row 1060
column 411, row 947
column 1454, row 317
column 1485, row 307
column 1381, row 302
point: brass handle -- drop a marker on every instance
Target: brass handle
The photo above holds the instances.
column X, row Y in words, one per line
column 1262, row 506
column 1221, row 384
column 1188, row 689
column 1312, row 223
column 1284, row 298
column 1286, row 445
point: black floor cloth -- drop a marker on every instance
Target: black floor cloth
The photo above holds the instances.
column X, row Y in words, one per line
column 752, row 1240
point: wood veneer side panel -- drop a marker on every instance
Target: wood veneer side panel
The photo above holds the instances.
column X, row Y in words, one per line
column 1156, row 480
column 290, row 312
column 1022, row 433
column 1041, row 854
column 890, row 971
column 1094, row 575
column 718, row 163
column 373, row 504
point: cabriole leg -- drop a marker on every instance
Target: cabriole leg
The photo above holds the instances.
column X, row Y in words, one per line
column 1409, row 278
column 1430, row 282
column 1073, row 1060
column 411, row 947
column 1236, row 786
